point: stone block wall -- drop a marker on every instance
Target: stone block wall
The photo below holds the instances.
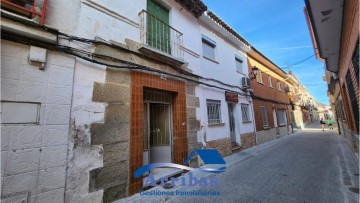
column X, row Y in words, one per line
column 113, row 135
column 192, row 103
column 265, row 136
column 33, row 155
column 283, row 131
column 248, row 140
column 222, row 145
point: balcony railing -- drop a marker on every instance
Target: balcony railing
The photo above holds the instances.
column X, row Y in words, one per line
column 159, row 35
column 32, row 9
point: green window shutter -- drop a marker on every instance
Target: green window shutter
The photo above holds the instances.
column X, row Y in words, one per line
column 158, row 32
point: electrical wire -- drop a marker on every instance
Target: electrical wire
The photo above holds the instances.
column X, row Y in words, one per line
column 292, row 65
column 89, row 56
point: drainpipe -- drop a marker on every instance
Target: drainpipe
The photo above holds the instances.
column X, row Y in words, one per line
column 253, row 118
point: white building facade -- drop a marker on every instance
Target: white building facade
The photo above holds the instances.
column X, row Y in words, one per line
column 82, row 92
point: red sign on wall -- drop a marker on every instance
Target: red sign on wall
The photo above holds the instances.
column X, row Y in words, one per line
column 231, row 96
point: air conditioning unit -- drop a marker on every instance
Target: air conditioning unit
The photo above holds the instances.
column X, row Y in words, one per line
column 245, row 82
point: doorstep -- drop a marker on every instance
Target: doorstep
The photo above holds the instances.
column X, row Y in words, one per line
column 163, row 174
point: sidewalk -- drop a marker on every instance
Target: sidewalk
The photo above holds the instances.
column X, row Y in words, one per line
column 348, row 165
column 230, row 161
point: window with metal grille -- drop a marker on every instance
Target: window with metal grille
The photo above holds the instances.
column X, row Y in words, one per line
column 282, row 117
column 264, row 115
column 355, row 60
column 352, row 98
column 213, row 111
column 245, row 112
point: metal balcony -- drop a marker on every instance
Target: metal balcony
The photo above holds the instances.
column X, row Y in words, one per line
column 160, row 38
column 32, row 9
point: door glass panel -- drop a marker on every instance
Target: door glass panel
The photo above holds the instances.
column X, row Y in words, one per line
column 159, row 125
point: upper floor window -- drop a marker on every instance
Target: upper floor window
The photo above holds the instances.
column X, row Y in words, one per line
column 270, row 82
column 208, row 47
column 213, row 111
column 31, row 9
column 278, row 86
column 239, row 65
column 259, row 78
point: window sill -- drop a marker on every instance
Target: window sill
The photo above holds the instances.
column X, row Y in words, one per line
column 271, row 87
column 260, row 82
column 241, row 73
column 266, row 128
column 216, row 124
column 212, row 60
column 247, row 121
column 282, row 125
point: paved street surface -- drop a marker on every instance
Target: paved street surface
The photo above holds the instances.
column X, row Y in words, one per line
column 308, row 166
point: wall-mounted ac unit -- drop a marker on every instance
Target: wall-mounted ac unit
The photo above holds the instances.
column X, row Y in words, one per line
column 245, row 82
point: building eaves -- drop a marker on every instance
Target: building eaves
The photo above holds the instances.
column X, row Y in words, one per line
column 267, row 59
column 197, row 7
column 218, row 20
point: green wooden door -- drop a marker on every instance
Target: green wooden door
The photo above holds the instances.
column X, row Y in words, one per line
column 158, row 31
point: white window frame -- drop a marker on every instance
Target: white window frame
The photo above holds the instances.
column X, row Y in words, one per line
column 213, row 111
column 211, row 44
column 265, row 116
column 282, row 118
column 259, row 77
column 245, row 113
column 270, row 82
column 279, row 86
column 238, row 60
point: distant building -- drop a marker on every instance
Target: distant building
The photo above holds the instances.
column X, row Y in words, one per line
column 270, row 94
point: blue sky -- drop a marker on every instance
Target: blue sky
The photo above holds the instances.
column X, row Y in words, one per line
column 279, row 30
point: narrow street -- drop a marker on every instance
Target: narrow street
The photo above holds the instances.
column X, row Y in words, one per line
column 309, row 166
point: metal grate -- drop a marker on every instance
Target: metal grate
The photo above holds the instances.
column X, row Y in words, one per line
column 159, row 35
column 213, row 111
column 353, row 100
column 245, row 112
column 33, row 9
column 159, row 125
column 159, row 97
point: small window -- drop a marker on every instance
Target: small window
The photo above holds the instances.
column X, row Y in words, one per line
column 213, row 111
column 278, row 86
column 245, row 112
column 270, row 82
column 264, row 115
column 282, row 117
column 259, row 78
column 239, row 65
column 208, row 46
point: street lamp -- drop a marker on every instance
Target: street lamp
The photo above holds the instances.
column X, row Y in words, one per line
column 254, row 71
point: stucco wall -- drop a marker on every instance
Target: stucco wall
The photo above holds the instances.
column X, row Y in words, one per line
column 214, row 132
column 82, row 156
column 33, row 156
column 225, row 68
